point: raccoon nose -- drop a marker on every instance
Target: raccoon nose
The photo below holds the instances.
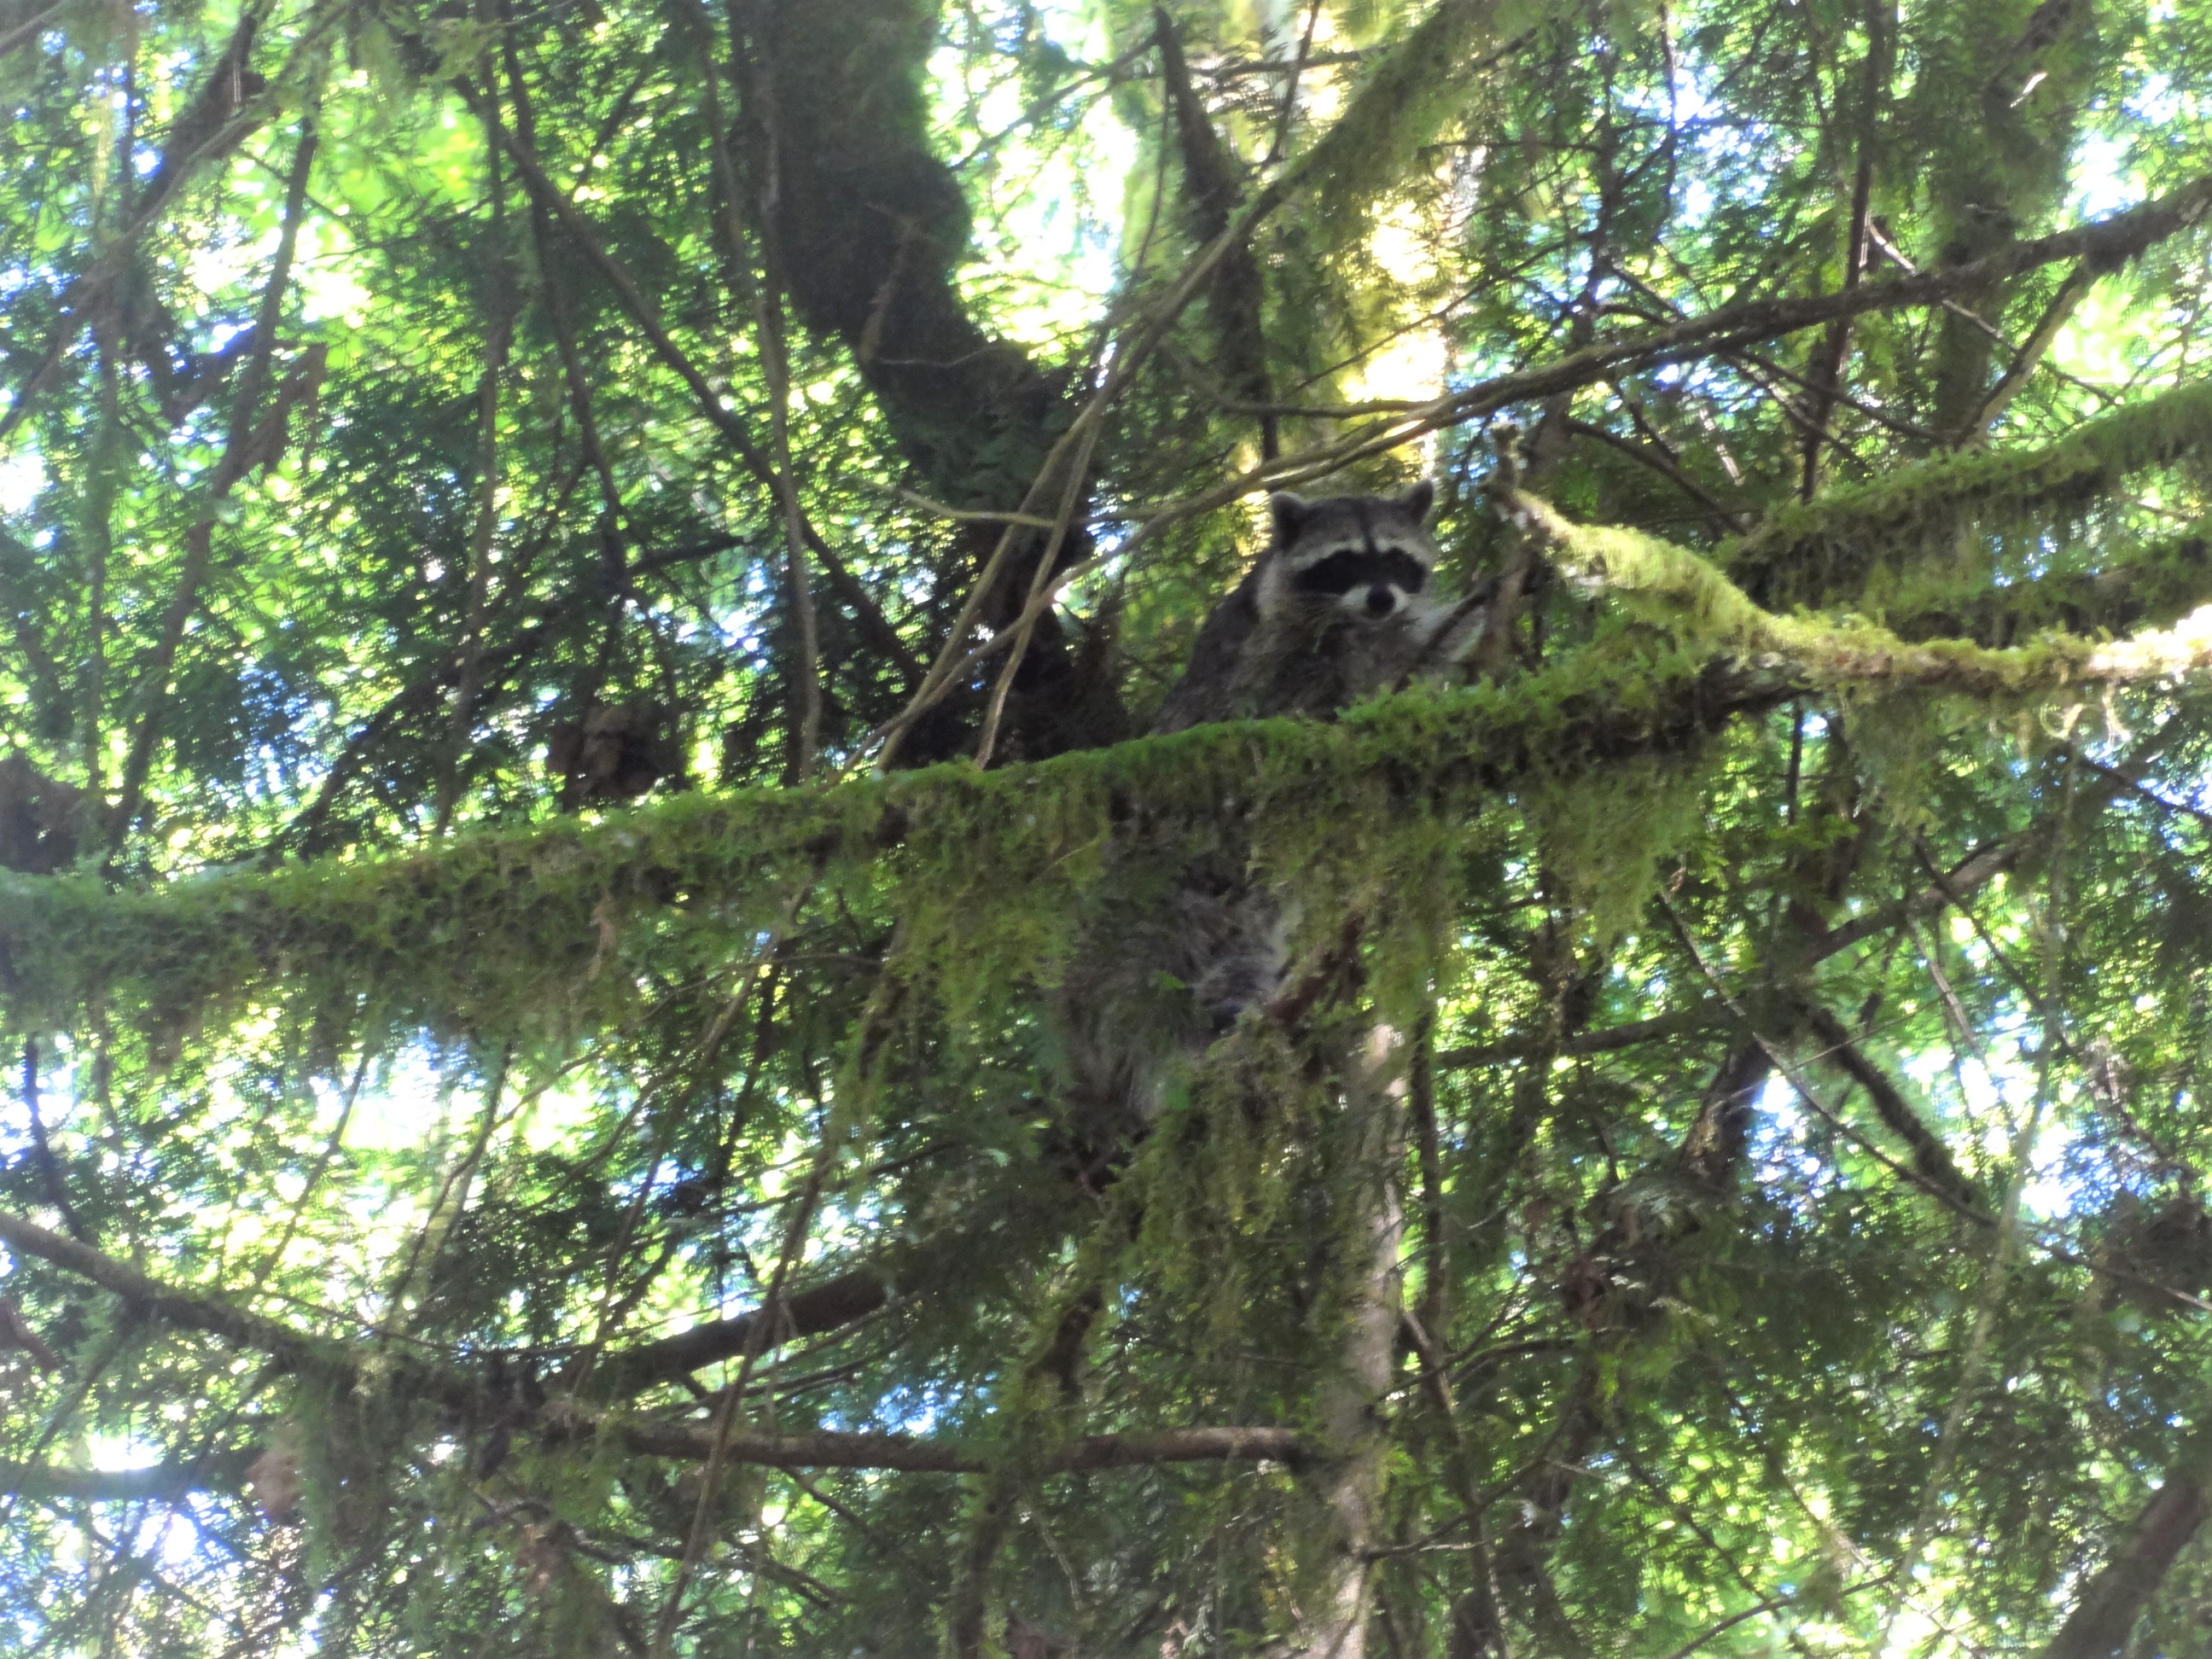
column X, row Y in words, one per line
column 1381, row 601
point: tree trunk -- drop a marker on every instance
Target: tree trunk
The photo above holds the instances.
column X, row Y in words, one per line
column 1376, row 1086
column 873, row 228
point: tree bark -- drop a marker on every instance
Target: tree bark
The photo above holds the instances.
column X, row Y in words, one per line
column 871, row 226
column 2112, row 1601
column 1377, row 1085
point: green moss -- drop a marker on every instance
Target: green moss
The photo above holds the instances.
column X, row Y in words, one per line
column 530, row 936
column 2133, row 584
column 533, row 934
column 1673, row 588
column 1604, row 831
column 1934, row 515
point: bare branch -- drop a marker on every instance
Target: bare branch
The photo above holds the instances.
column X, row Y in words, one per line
column 1929, row 1155
column 2104, row 244
column 1701, row 1017
column 179, row 1308
column 42, row 1150
column 2079, row 280
column 230, row 104
column 827, row 1450
column 29, row 30
column 725, row 419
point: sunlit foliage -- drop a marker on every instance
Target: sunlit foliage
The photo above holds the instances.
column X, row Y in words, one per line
column 581, row 589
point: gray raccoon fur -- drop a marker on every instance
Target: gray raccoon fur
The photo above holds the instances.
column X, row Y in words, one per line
column 1338, row 608
column 1180, row 938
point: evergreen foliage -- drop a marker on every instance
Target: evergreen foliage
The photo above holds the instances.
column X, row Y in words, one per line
column 581, row 587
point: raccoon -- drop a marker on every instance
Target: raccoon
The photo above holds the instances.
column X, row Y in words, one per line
column 1182, row 938
column 1337, row 608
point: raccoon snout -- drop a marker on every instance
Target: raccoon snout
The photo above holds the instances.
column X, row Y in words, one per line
column 1381, row 601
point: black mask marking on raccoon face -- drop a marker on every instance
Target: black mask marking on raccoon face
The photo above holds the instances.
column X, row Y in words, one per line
column 1364, row 556
column 1356, row 567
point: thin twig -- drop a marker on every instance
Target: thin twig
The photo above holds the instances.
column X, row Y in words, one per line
column 1148, row 332
column 725, row 419
column 733, row 1396
column 42, row 1151
column 805, row 672
column 1828, row 378
column 1032, row 607
column 238, row 456
column 559, row 311
column 469, row 655
column 1803, row 1089
column 2106, row 243
column 961, row 515
column 1644, row 455
column 2006, row 1247
column 314, row 1179
column 2079, row 280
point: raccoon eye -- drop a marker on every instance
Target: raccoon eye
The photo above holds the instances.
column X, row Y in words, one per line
column 1327, row 577
column 1340, row 572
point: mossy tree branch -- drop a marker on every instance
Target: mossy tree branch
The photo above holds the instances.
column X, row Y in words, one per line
column 1675, row 587
column 1824, row 552
column 539, row 901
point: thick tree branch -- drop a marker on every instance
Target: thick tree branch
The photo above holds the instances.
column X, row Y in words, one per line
column 1368, row 1302
column 1675, row 586
column 1931, row 1157
column 827, row 1450
column 2110, row 1604
column 182, row 1309
column 223, row 1471
column 824, row 1307
column 61, row 941
column 22, row 34
column 870, row 226
column 1824, row 552
column 620, row 1374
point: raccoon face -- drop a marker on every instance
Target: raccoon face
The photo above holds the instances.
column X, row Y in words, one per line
column 1366, row 556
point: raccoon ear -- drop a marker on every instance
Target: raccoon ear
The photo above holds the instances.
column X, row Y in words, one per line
column 1288, row 512
column 1419, row 500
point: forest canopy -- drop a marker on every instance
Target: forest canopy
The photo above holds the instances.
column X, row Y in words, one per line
column 585, row 591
